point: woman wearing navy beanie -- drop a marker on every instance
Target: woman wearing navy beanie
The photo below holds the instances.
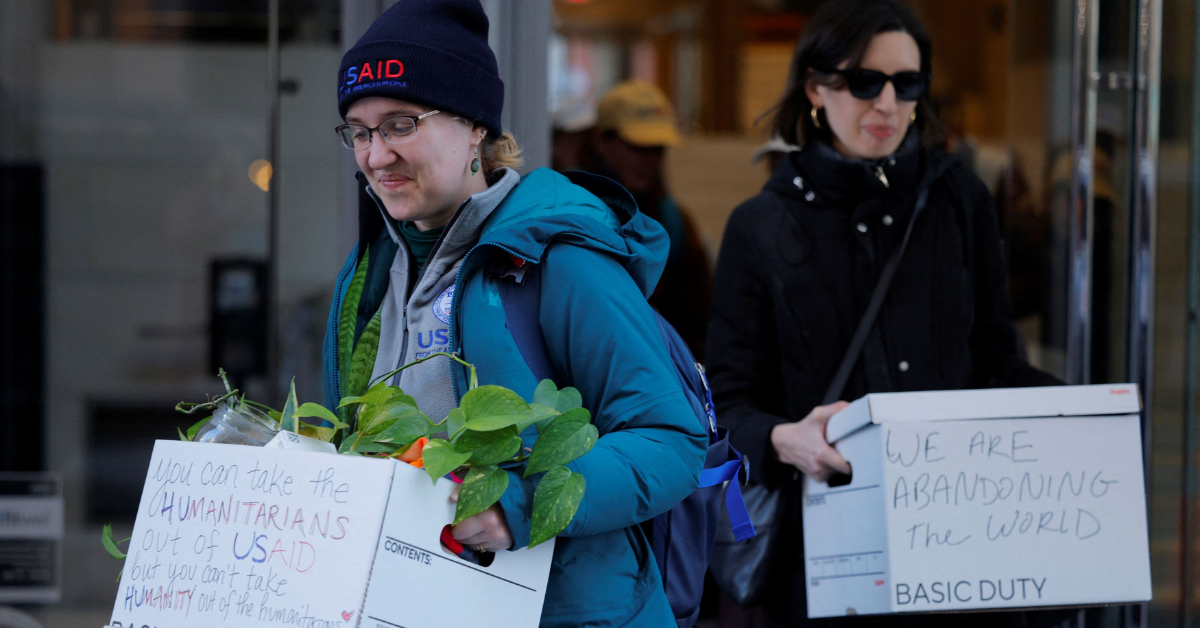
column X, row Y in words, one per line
column 443, row 220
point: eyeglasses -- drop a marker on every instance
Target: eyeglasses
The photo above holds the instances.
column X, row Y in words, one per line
column 393, row 131
column 867, row 84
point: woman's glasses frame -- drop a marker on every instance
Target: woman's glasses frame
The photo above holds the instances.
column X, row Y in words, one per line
column 868, row 84
column 396, row 130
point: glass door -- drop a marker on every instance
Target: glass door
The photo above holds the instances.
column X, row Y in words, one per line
column 1102, row 139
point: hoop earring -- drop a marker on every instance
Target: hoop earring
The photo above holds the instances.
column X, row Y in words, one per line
column 475, row 162
column 815, row 119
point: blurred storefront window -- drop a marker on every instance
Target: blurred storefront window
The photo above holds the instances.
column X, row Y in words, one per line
column 212, row 21
column 146, row 122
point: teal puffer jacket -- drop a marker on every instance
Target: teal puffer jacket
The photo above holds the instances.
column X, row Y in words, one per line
column 599, row 260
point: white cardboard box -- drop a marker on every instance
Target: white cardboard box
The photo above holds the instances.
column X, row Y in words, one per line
column 253, row 536
column 981, row 499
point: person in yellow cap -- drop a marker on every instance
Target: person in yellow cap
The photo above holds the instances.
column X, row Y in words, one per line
column 635, row 124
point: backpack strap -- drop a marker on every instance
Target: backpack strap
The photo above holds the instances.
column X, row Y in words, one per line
column 522, row 299
column 521, row 286
column 735, row 505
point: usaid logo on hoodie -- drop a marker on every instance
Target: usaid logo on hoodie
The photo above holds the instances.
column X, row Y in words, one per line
column 441, row 305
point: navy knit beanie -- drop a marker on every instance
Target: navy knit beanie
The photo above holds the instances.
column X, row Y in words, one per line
column 431, row 52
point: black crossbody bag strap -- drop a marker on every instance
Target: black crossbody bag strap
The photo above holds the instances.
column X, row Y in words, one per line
column 877, row 298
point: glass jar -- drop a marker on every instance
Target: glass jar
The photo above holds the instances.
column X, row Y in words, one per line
column 237, row 423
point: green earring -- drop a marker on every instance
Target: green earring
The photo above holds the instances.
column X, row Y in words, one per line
column 475, row 162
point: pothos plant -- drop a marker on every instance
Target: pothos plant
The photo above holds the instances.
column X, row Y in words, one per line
column 479, row 442
column 289, row 419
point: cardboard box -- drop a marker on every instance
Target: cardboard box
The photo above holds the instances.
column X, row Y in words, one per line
column 254, row 536
column 981, row 499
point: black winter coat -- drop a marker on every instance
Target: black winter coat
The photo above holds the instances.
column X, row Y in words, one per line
column 797, row 267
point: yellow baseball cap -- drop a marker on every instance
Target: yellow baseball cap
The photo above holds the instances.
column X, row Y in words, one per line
column 640, row 114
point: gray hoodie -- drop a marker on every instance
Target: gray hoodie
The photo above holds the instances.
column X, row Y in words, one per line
column 415, row 320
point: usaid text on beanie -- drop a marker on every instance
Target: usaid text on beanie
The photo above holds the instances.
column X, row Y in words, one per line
column 434, row 53
column 390, row 69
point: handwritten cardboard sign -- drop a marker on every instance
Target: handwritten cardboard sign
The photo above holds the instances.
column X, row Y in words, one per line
column 970, row 513
column 258, row 536
column 240, row 536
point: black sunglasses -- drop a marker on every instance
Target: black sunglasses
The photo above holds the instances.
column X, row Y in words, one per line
column 867, row 84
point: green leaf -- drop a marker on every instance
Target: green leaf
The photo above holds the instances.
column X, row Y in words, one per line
column 319, row 411
column 568, row 399
column 546, row 393
column 182, row 436
column 191, row 431
column 106, row 538
column 348, row 318
column 364, row 444
column 348, row 444
column 566, row 438
column 549, row 402
column 561, row 400
column 378, row 394
column 406, row 429
column 470, row 440
column 493, row 407
column 318, row 432
column 497, row 452
column 541, row 415
column 368, row 446
column 440, row 458
column 455, row 422
column 288, row 422
column 555, row 502
column 490, row 423
column 379, row 419
column 482, row 487
column 363, row 361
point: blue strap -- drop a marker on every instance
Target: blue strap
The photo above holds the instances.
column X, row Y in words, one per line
column 721, row 474
column 739, row 517
column 735, row 505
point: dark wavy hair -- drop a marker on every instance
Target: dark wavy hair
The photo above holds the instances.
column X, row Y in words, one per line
column 842, row 30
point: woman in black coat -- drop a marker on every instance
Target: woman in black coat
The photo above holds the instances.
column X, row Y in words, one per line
column 800, row 261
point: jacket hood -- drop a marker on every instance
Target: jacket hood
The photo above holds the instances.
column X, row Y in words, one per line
column 584, row 210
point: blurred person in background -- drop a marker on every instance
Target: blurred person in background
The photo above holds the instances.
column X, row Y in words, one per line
column 771, row 152
column 800, row 262
column 571, row 142
column 635, row 124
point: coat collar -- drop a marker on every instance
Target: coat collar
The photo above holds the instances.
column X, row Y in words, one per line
column 821, row 176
